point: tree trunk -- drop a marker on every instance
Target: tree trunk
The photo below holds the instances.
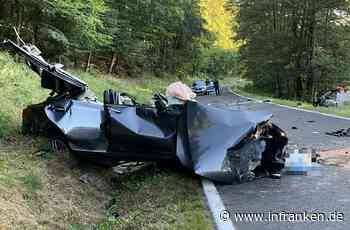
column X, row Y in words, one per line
column 310, row 54
column 88, row 64
column 279, row 87
column 299, row 87
column 113, row 62
column 19, row 19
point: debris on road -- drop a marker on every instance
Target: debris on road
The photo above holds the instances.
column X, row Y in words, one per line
column 340, row 133
column 314, row 156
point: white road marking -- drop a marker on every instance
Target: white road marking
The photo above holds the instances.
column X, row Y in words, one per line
column 216, row 206
column 294, row 108
column 215, row 203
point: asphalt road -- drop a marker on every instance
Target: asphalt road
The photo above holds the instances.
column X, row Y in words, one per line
column 325, row 191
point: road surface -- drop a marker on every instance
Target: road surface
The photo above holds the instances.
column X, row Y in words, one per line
column 324, row 193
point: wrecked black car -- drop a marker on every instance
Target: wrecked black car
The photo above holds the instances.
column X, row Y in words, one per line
column 221, row 144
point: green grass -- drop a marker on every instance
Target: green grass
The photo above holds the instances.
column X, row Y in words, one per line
column 154, row 199
column 20, row 87
column 32, row 182
column 243, row 89
column 40, row 190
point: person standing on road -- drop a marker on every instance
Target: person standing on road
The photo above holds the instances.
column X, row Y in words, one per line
column 217, row 87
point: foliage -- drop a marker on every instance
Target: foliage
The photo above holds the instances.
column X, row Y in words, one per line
column 55, row 25
column 220, row 63
column 219, row 21
column 118, row 36
column 156, row 35
column 294, row 48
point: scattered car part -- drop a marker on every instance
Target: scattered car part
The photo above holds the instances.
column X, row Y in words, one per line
column 314, row 156
column 340, row 133
column 129, row 167
column 221, row 144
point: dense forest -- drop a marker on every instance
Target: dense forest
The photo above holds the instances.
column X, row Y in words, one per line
column 294, row 48
column 291, row 48
column 124, row 36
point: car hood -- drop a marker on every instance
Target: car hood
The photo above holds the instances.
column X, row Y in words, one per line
column 211, row 133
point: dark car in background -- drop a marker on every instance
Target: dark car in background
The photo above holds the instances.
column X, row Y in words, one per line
column 201, row 87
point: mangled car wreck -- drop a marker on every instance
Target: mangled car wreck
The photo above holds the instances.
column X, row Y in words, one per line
column 221, row 144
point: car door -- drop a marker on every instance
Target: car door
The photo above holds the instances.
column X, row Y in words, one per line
column 138, row 133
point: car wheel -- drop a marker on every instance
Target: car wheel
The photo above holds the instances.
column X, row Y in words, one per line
column 58, row 145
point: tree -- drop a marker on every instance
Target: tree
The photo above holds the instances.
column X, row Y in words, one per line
column 219, row 21
column 294, row 48
column 159, row 36
column 118, row 35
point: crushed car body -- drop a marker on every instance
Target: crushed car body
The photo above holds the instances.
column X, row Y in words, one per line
column 223, row 145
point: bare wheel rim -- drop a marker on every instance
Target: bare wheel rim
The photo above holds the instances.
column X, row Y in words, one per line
column 58, row 146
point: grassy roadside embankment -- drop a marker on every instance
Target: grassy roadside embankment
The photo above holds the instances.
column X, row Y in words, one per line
column 40, row 190
column 242, row 89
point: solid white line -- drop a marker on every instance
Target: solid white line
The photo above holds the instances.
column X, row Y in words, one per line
column 215, row 203
column 310, row 111
column 298, row 109
column 216, row 206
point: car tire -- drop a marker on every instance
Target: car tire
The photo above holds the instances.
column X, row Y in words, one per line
column 58, row 145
